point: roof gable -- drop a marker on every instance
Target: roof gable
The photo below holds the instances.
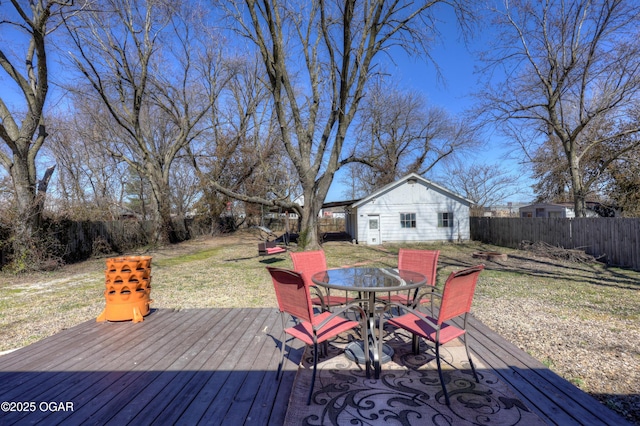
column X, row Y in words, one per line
column 411, row 176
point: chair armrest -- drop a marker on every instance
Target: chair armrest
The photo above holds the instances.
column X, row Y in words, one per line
column 412, row 311
column 320, row 295
column 355, row 305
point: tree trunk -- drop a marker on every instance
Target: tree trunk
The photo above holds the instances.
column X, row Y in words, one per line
column 308, row 238
column 577, row 185
column 25, row 189
column 316, row 194
column 28, row 216
column 30, row 207
column 579, row 199
column 164, row 231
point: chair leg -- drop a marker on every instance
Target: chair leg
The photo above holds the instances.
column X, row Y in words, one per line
column 365, row 342
column 313, row 376
column 368, row 362
column 283, row 339
column 281, row 357
column 473, row 369
column 415, row 344
column 444, row 389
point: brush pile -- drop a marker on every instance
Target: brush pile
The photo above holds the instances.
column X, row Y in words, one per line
column 543, row 249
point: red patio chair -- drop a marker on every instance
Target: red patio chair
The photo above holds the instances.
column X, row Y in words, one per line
column 293, row 298
column 456, row 299
column 422, row 261
column 309, row 263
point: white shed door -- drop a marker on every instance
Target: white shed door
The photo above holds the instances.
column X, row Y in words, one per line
column 373, row 230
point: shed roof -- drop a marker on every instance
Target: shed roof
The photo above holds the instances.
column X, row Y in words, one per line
column 404, row 179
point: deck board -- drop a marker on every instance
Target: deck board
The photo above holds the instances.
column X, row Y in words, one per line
column 218, row 366
column 551, row 396
column 155, row 367
column 506, row 367
column 169, row 389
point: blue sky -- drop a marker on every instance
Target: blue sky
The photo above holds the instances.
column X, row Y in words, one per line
column 457, row 65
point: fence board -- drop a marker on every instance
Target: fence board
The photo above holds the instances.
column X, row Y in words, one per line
column 613, row 240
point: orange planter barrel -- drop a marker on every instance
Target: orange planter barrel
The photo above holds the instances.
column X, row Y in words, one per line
column 128, row 289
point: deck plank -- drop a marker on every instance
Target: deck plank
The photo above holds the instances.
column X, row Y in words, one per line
column 168, row 388
column 145, row 366
column 134, row 396
column 178, row 403
column 247, row 372
column 502, row 364
column 218, row 366
column 564, row 394
column 213, row 400
column 81, row 356
column 125, row 365
column 47, row 345
column 261, row 369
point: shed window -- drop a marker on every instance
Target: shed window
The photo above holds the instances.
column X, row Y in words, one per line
column 407, row 220
column 445, row 220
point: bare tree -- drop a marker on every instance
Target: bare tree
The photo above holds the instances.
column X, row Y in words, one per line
column 553, row 178
column 25, row 68
column 156, row 72
column 318, row 57
column 90, row 181
column 550, row 173
column 570, row 67
column 397, row 134
column 622, row 182
column 624, row 187
column 185, row 187
column 486, row 185
column 242, row 151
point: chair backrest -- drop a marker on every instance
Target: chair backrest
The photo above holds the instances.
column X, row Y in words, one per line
column 423, row 261
column 308, row 263
column 292, row 293
column 458, row 293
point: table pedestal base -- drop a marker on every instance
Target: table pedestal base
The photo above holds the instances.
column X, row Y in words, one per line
column 355, row 352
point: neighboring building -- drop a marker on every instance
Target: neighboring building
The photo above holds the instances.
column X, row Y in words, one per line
column 411, row 209
column 510, row 209
column 334, row 210
column 565, row 210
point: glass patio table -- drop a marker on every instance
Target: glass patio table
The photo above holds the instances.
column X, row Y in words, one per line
column 370, row 282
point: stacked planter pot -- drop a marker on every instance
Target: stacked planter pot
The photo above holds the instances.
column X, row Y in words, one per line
column 128, row 289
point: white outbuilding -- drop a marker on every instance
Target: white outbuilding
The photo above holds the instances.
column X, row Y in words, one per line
column 411, row 209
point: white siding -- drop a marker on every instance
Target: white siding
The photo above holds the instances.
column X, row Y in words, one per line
column 426, row 202
column 547, row 210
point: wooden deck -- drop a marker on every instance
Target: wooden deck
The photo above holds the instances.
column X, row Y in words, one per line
column 217, row 366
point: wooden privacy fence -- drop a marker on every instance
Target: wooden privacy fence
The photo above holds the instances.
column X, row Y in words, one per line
column 614, row 240
column 324, row 225
column 85, row 239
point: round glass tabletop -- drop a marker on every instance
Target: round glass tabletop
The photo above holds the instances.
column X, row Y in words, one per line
column 369, row 279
